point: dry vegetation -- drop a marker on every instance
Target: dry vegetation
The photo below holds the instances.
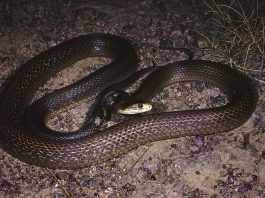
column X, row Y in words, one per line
column 239, row 31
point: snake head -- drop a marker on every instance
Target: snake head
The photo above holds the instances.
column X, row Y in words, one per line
column 132, row 107
column 122, row 103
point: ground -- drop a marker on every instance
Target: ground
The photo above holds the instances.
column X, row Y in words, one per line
column 230, row 164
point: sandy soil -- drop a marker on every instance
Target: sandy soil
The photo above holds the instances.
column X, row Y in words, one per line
column 230, row 164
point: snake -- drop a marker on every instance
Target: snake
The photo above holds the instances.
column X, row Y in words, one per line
column 36, row 144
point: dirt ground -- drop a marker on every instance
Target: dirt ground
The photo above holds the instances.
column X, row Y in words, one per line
column 230, row 164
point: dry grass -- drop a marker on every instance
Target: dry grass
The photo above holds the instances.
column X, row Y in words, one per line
column 239, row 31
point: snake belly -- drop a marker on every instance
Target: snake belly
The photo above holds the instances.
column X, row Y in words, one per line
column 47, row 151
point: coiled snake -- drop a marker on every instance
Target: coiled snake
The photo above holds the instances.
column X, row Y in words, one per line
column 43, row 147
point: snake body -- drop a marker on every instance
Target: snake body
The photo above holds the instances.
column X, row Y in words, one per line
column 31, row 146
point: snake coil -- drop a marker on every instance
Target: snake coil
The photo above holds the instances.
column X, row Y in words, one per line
column 45, row 149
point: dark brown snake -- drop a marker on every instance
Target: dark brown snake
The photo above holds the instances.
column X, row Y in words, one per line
column 34, row 147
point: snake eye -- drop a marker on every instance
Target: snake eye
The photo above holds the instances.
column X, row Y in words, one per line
column 140, row 105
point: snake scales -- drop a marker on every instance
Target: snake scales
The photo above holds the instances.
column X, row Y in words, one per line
column 45, row 149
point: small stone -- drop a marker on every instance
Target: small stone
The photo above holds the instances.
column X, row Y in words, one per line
column 199, row 86
column 220, row 100
column 199, row 141
column 128, row 188
column 153, row 42
column 263, row 154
